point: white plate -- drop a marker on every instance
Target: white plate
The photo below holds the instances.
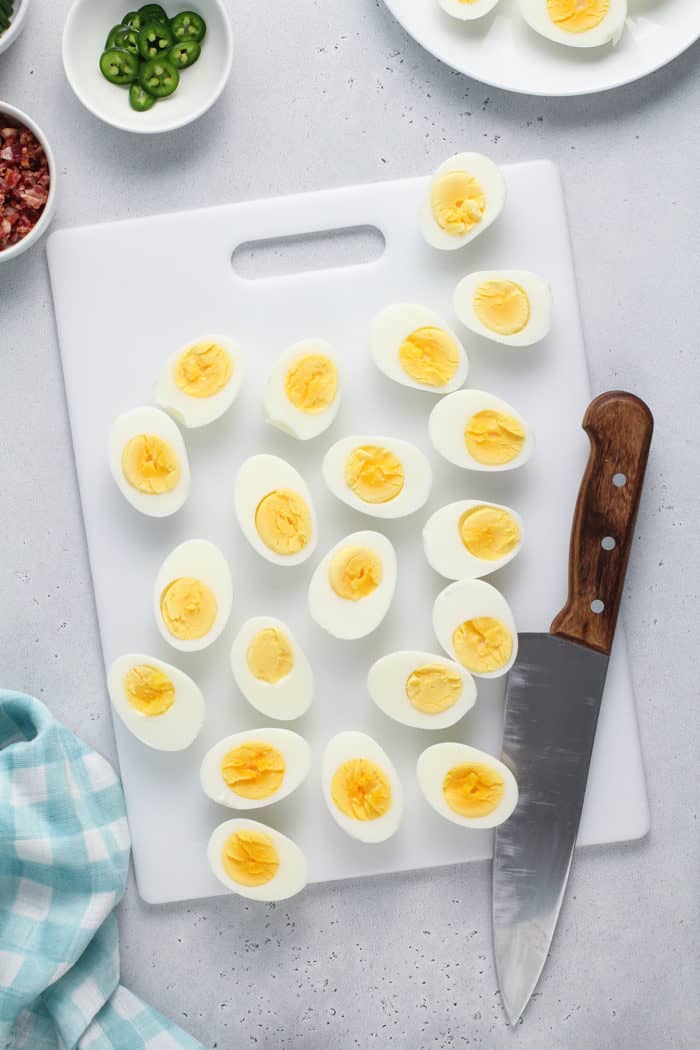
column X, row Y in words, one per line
column 501, row 50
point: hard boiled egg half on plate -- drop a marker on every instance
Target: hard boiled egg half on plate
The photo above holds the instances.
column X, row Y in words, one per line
column 479, row 431
column 576, row 23
column 383, row 477
column 148, row 460
column 361, row 787
column 255, row 861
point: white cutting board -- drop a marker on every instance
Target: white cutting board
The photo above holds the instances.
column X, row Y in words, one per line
column 127, row 295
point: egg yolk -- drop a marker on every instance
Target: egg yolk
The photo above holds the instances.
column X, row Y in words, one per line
column 269, row 656
column 489, row 533
column 577, row 16
column 502, row 307
column 150, row 464
column 493, row 437
column 254, row 770
column 355, row 572
column 203, row 370
column 433, row 689
column 483, row 644
column 250, row 858
column 149, row 690
column 311, row 384
column 457, row 202
column 188, row 608
column 374, row 474
column 473, row 789
column 361, row 790
column 283, row 521
column 430, row 356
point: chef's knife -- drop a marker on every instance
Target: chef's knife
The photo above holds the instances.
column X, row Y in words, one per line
column 553, row 697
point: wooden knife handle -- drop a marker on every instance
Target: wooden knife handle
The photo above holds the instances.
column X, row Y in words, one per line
column 619, row 426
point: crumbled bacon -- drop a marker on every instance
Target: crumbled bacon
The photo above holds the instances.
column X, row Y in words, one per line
column 24, row 183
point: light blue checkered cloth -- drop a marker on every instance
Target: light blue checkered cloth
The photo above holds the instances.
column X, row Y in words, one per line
column 64, row 856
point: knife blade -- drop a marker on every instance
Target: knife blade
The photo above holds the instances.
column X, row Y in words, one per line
column 553, row 696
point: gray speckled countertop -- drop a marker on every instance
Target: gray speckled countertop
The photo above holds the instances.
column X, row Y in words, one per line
column 325, row 95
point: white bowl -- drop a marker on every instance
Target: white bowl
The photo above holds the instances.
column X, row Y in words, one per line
column 46, row 216
column 84, row 36
column 17, row 21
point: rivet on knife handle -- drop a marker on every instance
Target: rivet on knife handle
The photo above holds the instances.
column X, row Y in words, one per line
column 619, row 426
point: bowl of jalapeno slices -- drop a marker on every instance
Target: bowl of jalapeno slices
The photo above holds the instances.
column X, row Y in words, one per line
column 148, row 69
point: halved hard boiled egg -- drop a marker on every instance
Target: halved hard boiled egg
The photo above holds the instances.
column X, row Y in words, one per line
column 466, row 785
column 274, row 510
column 201, row 381
column 192, row 596
column 255, row 861
column 479, row 431
column 466, row 195
column 512, row 307
column 380, row 476
column 474, row 625
column 466, row 10
column 413, row 346
column 157, row 702
column 576, row 23
column 361, row 787
column 148, row 460
column 271, row 670
column 303, row 390
column 254, row 768
column 471, row 538
column 421, row 689
column 353, row 586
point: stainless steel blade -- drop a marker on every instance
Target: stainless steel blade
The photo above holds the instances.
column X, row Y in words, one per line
column 552, row 701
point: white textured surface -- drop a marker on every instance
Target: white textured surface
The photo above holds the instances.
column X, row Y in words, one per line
column 325, row 98
column 548, row 383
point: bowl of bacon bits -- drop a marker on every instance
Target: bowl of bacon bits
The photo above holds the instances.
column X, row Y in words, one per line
column 27, row 182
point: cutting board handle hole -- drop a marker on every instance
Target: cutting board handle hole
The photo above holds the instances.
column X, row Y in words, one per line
column 301, row 253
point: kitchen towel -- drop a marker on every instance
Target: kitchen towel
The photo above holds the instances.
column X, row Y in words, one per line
column 64, row 857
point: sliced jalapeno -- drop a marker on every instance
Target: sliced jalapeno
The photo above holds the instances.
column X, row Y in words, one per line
column 188, row 26
column 119, row 67
column 184, row 54
column 140, row 99
column 109, row 42
column 159, row 77
column 124, row 38
column 133, row 19
column 152, row 13
column 154, row 39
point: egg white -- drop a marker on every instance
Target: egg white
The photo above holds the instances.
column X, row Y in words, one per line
column 468, row 600
column 608, row 31
column 291, row 876
column 435, row 763
column 149, row 420
column 443, row 545
column 203, row 561
column 258, row 476
column 279, row 410
column 293, row 748
column 284, row 700
column 537, row 291
column 386, row 683
column 466, row 12
column 344, row 747
column 177, row 727
column 449, row 418
column 390, row 329
column 489, row 177
column 341, row 617
column 418, row 476
column 199, row 411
